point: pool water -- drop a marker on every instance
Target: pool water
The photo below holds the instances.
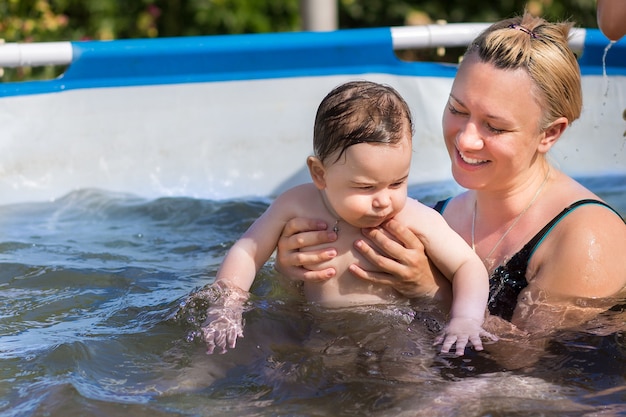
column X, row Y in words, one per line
column 98, row 317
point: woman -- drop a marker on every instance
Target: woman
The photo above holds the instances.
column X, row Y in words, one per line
column 517, row 90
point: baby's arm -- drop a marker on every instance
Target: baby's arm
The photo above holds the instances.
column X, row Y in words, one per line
column 469, row 277
column 470, row 288
column 224, row 321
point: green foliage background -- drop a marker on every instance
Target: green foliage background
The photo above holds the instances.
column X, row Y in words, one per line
column 61, row 20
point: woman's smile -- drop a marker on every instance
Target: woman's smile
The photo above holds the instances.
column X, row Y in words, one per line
column 471, row 161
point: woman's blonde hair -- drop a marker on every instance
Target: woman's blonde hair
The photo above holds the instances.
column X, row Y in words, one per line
column 541, row 48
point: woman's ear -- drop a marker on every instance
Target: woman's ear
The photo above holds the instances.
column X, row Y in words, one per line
column 552, row 134
column 317, row 171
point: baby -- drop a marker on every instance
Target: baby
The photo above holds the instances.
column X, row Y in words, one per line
column 363, row 146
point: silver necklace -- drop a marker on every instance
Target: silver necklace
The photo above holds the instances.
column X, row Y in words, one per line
column 332, row 212
column 517, row 219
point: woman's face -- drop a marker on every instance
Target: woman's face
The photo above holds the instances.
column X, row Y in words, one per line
column 491, row 125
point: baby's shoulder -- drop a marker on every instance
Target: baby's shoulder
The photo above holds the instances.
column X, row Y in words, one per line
column 414, row 208
column 301, row 200
column 303, row 191
column 419, row 217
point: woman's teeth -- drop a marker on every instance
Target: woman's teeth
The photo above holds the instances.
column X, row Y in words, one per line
column 471, row 160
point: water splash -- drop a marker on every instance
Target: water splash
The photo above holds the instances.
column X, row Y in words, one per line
column 604, row 75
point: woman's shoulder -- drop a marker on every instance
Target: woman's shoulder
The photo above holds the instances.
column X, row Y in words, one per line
column 456, row 210
column 584, row 254
column 576, row 201
column 572, row 211
column 582, row 247
column 584, row 216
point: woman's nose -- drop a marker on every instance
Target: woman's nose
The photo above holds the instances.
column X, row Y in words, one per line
column 468, row 137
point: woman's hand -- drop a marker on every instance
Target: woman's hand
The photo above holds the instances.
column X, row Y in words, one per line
column 292, row 258
column 400, row 253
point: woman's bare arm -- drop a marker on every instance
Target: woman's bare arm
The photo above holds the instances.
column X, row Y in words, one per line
column 577, row 272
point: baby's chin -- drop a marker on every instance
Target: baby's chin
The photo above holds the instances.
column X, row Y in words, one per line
column 371, row 222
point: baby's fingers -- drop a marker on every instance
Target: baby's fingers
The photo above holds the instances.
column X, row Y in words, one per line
column 220, row 340
column 461, row 342
column 210, row 347
column 231, row 336
column 208, row 336
column 448, row 341
column 476, row 342
column 492, row 337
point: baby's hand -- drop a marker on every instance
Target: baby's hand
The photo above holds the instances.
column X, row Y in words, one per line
column 460, row 331
column 222, row 327
column 224, row 319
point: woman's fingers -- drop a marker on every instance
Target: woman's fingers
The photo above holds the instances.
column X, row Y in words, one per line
column 373, row 276
column 294, row 260
column 395, row 240
column 400, row 255
column 302, row 224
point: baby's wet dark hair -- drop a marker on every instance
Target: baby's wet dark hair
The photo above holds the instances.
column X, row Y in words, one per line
column 359, row 112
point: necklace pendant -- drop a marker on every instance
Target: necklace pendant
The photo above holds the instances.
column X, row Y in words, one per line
column 336, row 227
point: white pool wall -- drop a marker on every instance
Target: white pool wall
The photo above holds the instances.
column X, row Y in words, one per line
column 231, row 116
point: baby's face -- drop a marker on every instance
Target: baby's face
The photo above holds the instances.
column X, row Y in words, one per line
column 368, row 184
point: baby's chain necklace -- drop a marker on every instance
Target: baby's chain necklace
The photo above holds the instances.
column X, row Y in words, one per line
column 517, row 219
column 331, row 211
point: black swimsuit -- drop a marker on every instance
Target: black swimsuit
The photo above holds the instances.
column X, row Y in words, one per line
column 508, row 280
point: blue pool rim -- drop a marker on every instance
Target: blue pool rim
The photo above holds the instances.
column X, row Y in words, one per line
column 200, row 59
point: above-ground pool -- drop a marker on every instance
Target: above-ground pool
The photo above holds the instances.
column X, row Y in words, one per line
column 124, row 182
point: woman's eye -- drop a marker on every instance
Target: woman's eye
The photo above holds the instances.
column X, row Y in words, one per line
column 495, row 130
column 453, row 110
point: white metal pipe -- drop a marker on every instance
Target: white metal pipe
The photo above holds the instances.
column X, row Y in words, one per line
column 404, row 37
column 433, row 36
column 454, row 34
column 577, row 39
column 35, row 54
